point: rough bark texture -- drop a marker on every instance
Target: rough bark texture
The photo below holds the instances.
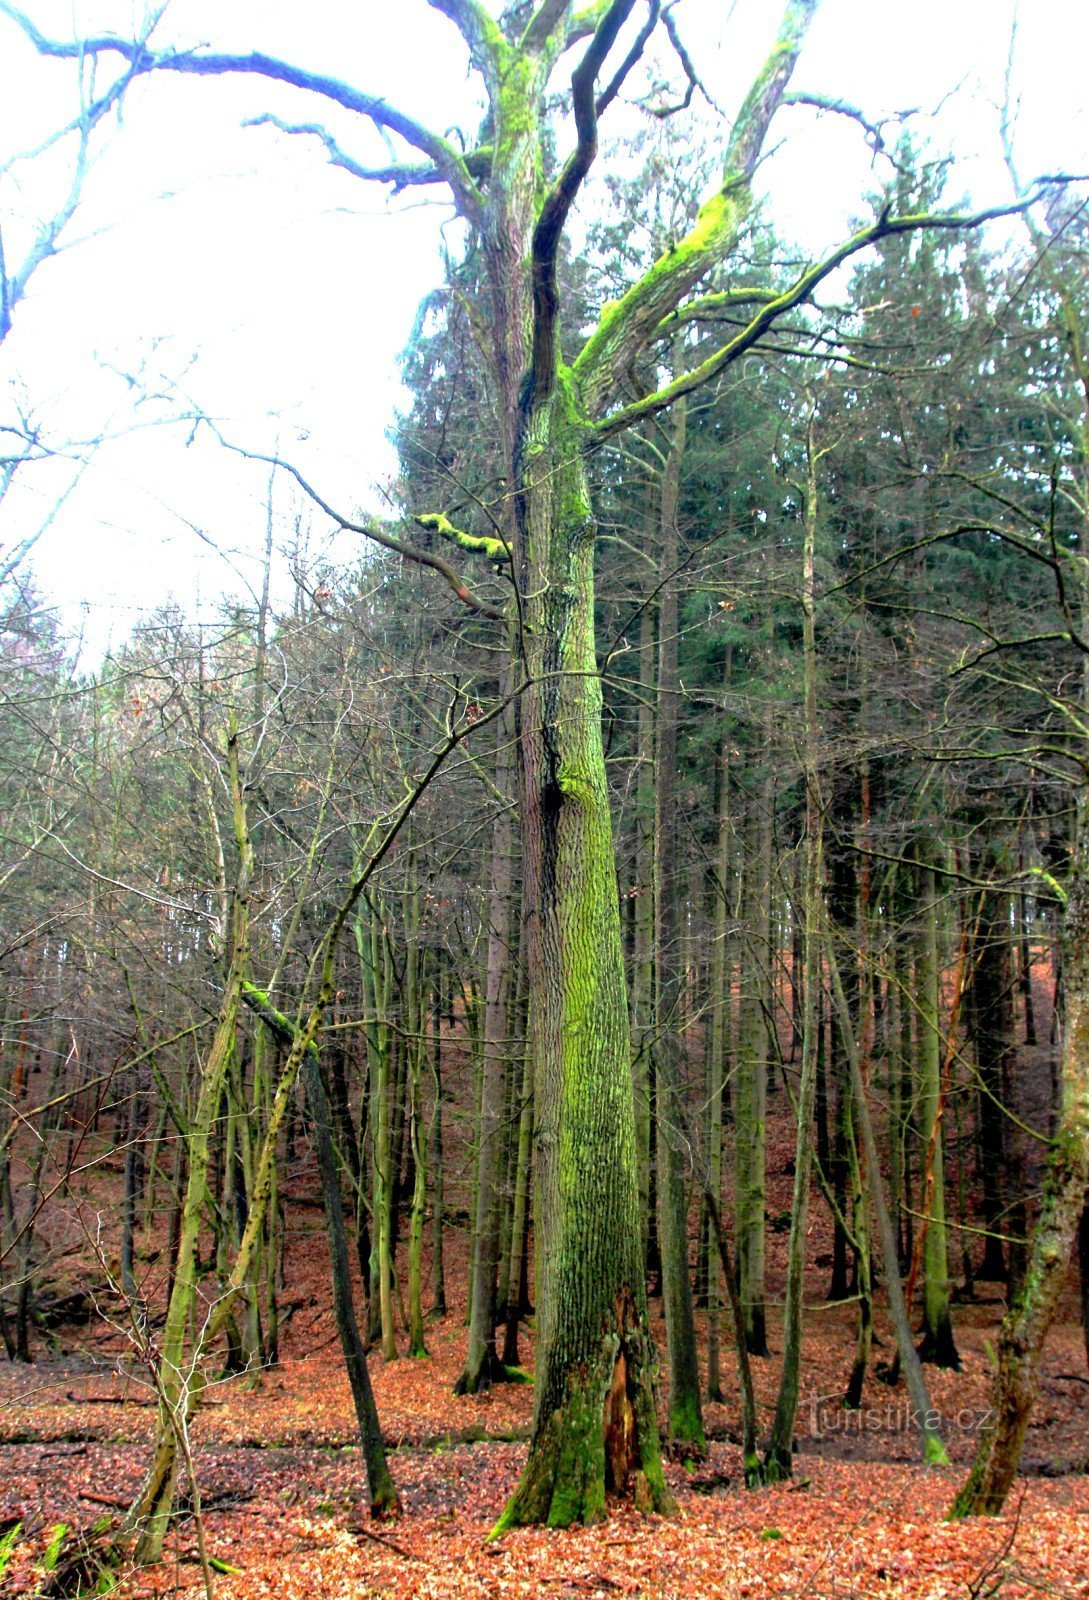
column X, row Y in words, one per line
column 594, row 1420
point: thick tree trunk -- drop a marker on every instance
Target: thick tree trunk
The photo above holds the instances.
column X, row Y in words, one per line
column 594, row 1419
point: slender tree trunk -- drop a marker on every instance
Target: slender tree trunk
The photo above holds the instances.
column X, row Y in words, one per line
column 438, row 1199
column 779, row 1454
column 937, row 1345
column 674, row 1137
column 750, row 1100
column 718, row 1041
column 933, row 1451
column 482, row 1365
column 642, row 997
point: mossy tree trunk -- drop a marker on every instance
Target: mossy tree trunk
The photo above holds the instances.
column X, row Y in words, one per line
column 149, row 1514
column 594, row 1418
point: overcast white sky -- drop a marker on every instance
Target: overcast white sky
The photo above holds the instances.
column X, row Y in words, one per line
column 277, row 292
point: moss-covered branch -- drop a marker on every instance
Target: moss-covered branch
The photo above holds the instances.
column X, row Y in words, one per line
column 627, row 325
column 883, row 227
column 379, row 536
column 478, row 544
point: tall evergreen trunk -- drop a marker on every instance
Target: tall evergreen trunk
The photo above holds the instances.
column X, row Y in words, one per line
column 750, row 1094
column 674, row 1137
column 937, row 1344
column 482, row 1365
column 778, row 1458
column 642, row 995
column 719, row 1039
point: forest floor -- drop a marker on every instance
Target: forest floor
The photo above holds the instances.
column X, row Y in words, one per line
column 284, row 1495
column 285, row 1502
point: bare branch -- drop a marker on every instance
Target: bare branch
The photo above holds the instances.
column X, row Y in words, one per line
column 558, row 202
column 874, row 131
column 377, row 535
column 213, row 64
column 401, row 174
column 694, row 81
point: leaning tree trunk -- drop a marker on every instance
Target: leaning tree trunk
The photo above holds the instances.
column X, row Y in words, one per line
column 384, row 1502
